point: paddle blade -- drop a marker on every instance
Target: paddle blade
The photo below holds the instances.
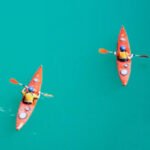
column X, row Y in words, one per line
column 48, row 95
column 14, row 81
column 103, row 51
column 144, row 56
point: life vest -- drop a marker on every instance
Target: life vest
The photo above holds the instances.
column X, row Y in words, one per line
column 123, row 55
column 29, row 97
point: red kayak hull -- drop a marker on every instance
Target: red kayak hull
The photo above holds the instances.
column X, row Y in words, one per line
column 25, row 110
column 124, row 68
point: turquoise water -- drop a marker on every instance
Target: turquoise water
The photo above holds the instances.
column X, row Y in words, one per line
column 91, row 109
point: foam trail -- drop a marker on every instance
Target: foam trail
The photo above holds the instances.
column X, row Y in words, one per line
column 12, row 115
column 2, row 109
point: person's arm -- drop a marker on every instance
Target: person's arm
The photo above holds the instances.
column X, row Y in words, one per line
column 23, row 91
column 130, row 56
column 36, row 96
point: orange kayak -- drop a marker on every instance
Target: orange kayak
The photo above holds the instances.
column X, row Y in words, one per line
column 124, row 68
column 25, row 110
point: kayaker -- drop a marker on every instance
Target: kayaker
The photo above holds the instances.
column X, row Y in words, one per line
column 29, row 95
column 123, row 55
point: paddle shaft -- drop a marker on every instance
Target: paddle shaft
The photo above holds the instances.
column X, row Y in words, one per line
column 142, row 56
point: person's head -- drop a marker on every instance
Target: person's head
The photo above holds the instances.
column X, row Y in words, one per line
column 30, row 89
column 122, row 48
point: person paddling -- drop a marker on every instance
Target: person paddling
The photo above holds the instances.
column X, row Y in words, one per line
column 29, row 95
column 123, row 55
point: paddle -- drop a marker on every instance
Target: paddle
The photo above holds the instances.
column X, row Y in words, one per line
column 105, row 51
column 14, row 81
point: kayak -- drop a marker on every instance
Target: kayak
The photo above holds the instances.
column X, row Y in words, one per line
column 124, row 68
column 25, row 110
